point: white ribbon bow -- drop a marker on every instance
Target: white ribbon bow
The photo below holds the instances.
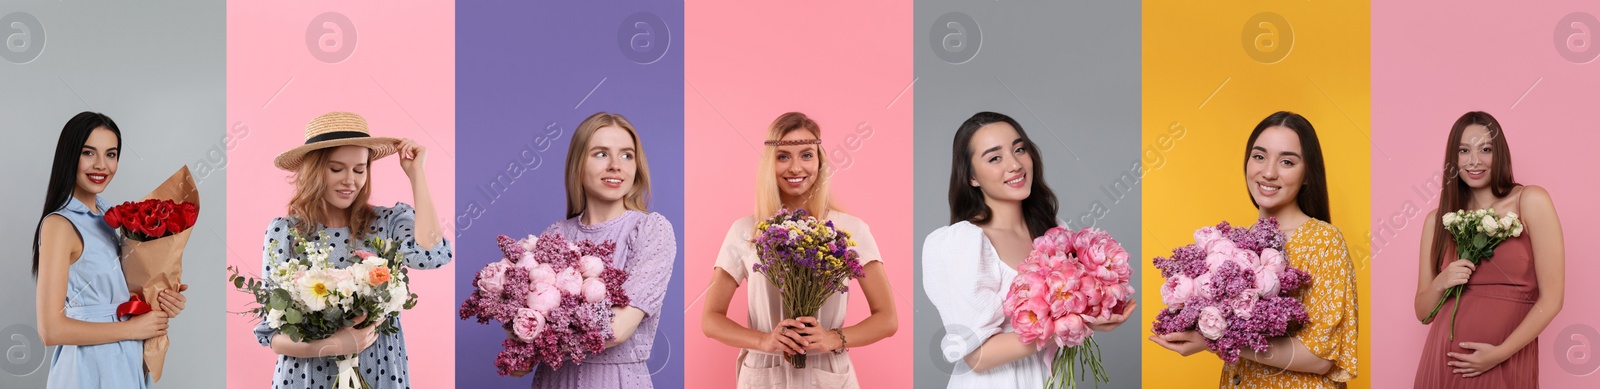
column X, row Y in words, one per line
column 349, row 377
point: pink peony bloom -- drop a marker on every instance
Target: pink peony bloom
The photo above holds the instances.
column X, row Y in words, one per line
column 1212, row 324
column 568, row 281
column 1274, row 260
column 529, row 243
column 1054, row 243
column 542, row 274
column 1266, row 284
column 492, row 278
column 1066, row 288
column 1071, row 330
column 528, row 324
column 1026, row 286
column 590, row 266
column 594, row 290
column 1221, row 246
column 1244, row 304
column 1177, row 291
column 1203, row 287
column 1032, row 321
column 1215, row 259
column 1204, row 236
column 363, row 254
column 544, row 298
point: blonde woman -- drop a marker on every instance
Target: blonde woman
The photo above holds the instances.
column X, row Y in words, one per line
column 608, row 190
column 793, row 174
column 332, row 182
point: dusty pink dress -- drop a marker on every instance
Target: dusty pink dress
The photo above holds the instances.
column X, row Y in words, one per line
column 1498, row 296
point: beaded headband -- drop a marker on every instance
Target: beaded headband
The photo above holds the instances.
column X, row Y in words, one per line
column 794, row 142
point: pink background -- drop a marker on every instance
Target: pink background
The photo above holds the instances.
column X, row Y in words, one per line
column 1432, row 63
column 401, row 77
column 843, row 64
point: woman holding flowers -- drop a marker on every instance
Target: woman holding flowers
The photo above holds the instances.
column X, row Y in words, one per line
column 608, row 190
column 793, row 175
column 1287, row 180
column 332, row 183
column 1510, row 297
column 76, row 261
column 998, row 204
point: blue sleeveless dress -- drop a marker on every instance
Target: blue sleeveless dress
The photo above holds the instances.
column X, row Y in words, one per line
column 95, row 286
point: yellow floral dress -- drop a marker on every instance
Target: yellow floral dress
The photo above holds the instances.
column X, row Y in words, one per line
column 1318, row 248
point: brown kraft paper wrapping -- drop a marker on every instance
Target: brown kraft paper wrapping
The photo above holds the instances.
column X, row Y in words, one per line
column 157, row 265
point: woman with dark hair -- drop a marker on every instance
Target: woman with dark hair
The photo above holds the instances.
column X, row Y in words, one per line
column 998, row 204
column 1496, row 342
column 79, row 271
column 332, row 183
column 1287, row 179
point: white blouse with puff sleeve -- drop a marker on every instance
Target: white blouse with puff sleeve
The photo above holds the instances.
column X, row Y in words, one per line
column 967, row 282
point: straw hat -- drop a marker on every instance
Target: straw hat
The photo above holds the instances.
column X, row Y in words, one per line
column 336, row 129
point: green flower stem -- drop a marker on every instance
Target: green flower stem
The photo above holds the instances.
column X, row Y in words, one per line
column 1069, row 360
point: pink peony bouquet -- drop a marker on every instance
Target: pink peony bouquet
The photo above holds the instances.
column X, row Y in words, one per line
column 1069, row 277
column 553, row 297
column 1235, row 286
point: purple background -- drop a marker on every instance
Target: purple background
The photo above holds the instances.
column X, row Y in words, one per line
column 521, row 66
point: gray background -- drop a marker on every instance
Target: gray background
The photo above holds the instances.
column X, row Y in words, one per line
column 1069, row 73
column 157, row 69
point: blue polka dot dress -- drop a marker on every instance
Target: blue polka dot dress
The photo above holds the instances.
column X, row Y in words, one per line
column 383, row 364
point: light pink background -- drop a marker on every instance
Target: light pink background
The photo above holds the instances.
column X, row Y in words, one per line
column 401, row 77
column 748, row 62
column 1433, row 62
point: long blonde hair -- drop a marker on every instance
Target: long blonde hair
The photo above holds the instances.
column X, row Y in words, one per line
column 310, row 210
column 638, row 197
column 768, row 200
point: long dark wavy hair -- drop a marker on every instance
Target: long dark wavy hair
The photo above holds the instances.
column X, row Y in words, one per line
column 64, row 169
column 966, row 201
column 1313, row 195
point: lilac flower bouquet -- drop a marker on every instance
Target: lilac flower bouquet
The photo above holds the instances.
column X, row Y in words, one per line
column 1235, row 286
column 553, row 296
column 808, row 260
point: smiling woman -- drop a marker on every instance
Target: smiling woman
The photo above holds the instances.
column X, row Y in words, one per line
column 333, row 182
column 77, row 305
column 793, row 174
column 1287, row 180
column 1490, row 339
column 608, row 195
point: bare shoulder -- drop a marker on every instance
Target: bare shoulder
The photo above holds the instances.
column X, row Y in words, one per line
column 58, row 233
column 1536, row 196
column 57, row 229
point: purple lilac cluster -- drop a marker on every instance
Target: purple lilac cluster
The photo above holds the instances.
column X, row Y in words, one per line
column 1233, row 285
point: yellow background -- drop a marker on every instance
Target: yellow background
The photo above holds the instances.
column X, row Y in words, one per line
column 1192, row 48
